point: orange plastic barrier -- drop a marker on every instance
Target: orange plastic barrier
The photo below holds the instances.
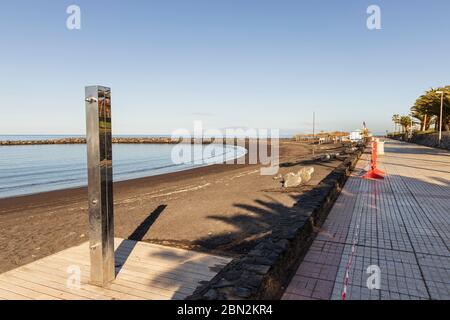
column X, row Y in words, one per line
column 374, row 173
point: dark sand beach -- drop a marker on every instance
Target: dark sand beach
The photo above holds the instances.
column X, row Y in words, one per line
column 219, row 208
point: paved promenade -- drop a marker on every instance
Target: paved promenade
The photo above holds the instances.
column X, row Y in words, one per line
column 400, row 224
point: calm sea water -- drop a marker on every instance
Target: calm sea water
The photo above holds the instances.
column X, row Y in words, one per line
column 39, row 168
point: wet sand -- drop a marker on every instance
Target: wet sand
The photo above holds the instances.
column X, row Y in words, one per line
column 221, row 208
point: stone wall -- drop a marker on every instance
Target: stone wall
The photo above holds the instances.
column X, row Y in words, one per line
column 429, row 140
column 262, row 272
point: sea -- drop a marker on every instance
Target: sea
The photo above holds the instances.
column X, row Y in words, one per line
column 33, row 169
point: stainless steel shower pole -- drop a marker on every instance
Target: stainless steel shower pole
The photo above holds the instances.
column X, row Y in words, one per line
column 100, row 184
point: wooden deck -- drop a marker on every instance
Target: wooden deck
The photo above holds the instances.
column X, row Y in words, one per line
column 144, row 271
column 400, row 224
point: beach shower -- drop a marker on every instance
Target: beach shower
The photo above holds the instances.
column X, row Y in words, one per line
column 100, row 184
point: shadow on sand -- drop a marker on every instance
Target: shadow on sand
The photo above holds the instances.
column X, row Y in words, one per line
column 124, row 250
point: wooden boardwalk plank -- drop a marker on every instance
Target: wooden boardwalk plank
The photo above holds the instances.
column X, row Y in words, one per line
column 145, row 271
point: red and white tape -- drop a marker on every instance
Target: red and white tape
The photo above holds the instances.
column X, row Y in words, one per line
column 350, row 259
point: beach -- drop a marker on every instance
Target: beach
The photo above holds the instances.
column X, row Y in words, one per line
column 222, row 209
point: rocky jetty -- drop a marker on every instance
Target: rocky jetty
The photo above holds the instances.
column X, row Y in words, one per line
column 153, row 140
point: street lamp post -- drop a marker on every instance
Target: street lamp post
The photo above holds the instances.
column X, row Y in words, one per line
column 412, row 124
column 440, row 118
column 314, row 134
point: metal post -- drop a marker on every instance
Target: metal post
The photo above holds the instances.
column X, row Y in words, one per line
column 314, row 134
column 100, row 184
column 440, row 124
column 411, row 131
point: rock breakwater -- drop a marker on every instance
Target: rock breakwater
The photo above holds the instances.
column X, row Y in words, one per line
column 153, row 140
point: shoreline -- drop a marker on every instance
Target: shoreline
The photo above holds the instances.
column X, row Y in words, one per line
column 236, row 153
column 122, row 185
column 177, row 175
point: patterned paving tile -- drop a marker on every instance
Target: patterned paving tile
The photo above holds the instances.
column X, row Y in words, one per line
column 400, row 224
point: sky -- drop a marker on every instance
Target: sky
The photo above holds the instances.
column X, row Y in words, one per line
column 246, row 63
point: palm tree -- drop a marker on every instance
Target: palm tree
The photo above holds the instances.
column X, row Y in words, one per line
column 396, row 120
column 405, row 122
column 427, row 109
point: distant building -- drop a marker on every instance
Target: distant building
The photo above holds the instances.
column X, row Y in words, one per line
column 356, row 135
column 323, row 137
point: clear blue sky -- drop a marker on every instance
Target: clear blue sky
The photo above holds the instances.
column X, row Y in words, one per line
column 246, row 63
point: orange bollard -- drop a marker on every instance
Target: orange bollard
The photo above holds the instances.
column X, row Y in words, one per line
column 374, row 173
